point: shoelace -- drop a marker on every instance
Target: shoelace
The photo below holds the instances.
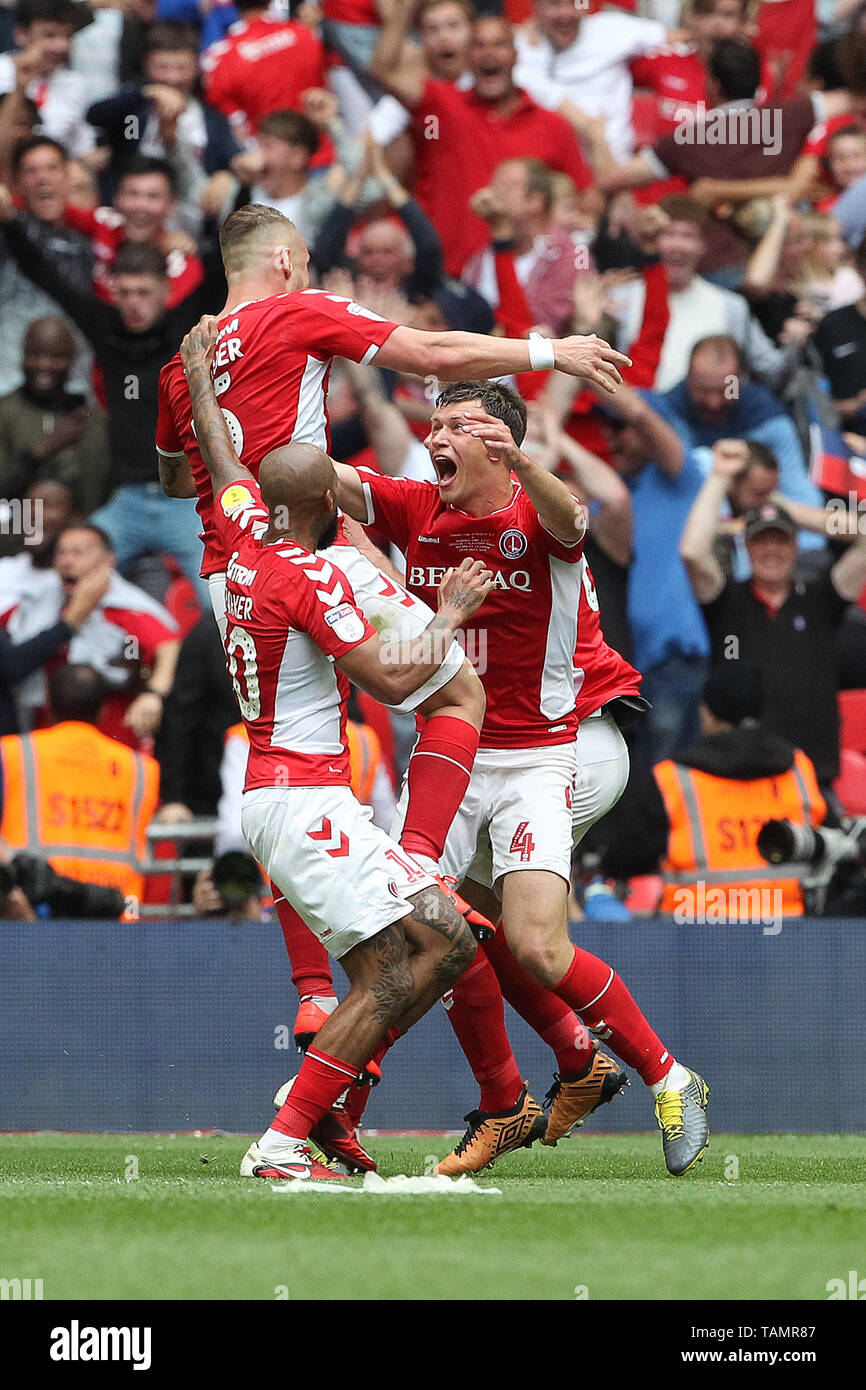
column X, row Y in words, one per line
column 670, row 1109
column 552, row 1093
column 475, row 1123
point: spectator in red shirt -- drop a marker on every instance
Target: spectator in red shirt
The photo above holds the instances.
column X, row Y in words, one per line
column 460, row 137
column 264, row 64
column 144, row 203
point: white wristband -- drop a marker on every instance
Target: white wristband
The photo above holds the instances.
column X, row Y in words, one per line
column 541, row 353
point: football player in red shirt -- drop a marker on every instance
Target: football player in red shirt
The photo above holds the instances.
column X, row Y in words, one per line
column 513, row 830
column 292, row 621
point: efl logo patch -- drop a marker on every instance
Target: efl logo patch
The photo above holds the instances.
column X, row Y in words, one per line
column 347, row 624
column 236, row 496
column 513, row 544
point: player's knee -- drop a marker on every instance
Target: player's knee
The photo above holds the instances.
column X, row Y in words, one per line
column 540, row 954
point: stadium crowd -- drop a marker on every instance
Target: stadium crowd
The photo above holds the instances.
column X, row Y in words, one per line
column 689, row 184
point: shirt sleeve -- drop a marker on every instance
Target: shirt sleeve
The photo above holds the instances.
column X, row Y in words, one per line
column 394, row 505
column 539, row 533
column 239, row 513
column 329, row 325
column 168, row 441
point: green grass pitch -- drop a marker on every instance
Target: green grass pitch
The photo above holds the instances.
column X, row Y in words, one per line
column 597, row 1213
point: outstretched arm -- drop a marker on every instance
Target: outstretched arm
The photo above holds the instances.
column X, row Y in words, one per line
column 475, row 356
column 196, row 353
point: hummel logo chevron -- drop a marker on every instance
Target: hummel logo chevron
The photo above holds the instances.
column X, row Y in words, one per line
column 337, row 841
column 323, row 572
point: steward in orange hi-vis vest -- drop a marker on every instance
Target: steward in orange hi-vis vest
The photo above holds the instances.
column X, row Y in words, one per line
column 713, row 829
column 81, row 800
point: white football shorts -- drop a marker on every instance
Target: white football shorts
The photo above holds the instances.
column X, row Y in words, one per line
column 602, row 771
column 516, row 814
column 396, row 614
column 342, row 874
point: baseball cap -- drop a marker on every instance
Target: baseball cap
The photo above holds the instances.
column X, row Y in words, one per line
column 769, row 518
column 734, row 691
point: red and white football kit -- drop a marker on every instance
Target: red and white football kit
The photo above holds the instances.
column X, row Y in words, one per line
column 290, row 615
column 517, row 810
column 271, row 369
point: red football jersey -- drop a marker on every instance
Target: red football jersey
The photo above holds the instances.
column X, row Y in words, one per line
column 677, row 77
column 600, row 673
column 290, row 614
column 262, row 65
column 271, row 372
column 522, row 639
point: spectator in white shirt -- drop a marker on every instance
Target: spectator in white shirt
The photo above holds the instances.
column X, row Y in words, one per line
column 518, row 207
column 567, row 56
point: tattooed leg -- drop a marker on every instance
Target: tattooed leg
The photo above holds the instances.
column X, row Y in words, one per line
column 442, row 947
column 397, row 976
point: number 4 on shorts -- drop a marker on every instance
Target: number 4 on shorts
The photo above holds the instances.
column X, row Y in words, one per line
column 522, row 842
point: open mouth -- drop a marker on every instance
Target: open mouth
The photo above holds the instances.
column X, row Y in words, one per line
column 446, row 469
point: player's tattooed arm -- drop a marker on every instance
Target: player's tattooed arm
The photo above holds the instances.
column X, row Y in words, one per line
column 196, row 353
column 558, row 509
column 175, row 476
column 390, row 671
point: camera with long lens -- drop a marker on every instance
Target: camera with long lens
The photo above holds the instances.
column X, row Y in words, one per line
column 834, row 859
column 63, row 897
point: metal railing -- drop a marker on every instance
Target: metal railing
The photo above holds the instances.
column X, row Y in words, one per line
column 181, row 866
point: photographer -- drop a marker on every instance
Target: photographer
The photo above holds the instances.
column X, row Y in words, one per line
column 78, row 797
column 699, row 814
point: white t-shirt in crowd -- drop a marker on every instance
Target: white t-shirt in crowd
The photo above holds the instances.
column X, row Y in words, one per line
column 593, row 72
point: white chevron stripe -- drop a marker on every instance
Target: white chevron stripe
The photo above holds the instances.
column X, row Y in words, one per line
column 331, row 597
column 322, row 572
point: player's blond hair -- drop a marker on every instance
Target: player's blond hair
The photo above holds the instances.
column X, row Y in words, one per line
column 244, row 233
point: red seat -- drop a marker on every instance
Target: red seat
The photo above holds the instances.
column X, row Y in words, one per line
column 852, row 718
column 850, row 785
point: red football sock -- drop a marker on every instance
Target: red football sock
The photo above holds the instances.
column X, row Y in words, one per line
column 356, row 1101
column 595, row 991
column 311, row 964
column 438, row 775
column 476, row 1013
column 320, row 1081
column 554, row 1022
